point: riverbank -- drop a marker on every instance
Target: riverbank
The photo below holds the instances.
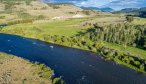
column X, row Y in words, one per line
column 20, row 71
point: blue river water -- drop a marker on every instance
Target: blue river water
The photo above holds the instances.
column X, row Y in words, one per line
column 73, row 65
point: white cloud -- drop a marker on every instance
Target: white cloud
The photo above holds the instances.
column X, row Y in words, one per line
column 83, row 3
column 94, row 3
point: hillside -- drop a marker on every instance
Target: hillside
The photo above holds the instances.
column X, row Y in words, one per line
column 140, row 12
column 42, row 10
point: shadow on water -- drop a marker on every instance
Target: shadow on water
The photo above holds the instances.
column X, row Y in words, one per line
column 74, row 65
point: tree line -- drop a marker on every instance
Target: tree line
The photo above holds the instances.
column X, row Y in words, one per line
column 119, row 33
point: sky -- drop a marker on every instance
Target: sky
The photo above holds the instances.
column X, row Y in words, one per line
column 114, row 4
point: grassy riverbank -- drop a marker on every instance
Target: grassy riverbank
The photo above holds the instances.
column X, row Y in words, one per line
column 15, row 70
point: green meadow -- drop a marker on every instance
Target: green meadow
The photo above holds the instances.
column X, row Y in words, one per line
column 54, row 27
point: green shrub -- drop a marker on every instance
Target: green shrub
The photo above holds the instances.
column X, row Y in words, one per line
column 41, row 17
column 129, row 18
column 137, row 63
column 58, row 81
column 98, row 44
column 44, row 71
column 142, row 67
column 72, row 12
column 2, row 17
column 20, row 21
column 86, row 12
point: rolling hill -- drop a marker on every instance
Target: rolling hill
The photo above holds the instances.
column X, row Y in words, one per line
column 40, row 9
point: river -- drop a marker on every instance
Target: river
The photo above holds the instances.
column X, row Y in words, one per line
column 74, row 65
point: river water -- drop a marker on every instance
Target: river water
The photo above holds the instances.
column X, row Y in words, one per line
column 74, row 65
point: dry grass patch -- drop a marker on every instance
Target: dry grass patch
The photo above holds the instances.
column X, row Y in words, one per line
column 15, row 70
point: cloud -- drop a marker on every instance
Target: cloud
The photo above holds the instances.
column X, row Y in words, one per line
column 87, row 3
column 83, row 3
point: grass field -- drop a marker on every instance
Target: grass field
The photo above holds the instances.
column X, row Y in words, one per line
column 58, row 27
column 134, row 51
column 139, row 21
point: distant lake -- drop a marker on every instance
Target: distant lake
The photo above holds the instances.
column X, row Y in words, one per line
column 74, row 65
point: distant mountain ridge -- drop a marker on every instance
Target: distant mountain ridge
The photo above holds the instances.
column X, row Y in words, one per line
column 133, row 10
column 121, row 4
column 140, row 12
column 105, row 9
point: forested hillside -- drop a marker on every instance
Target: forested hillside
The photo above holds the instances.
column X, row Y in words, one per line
column 140, row 12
